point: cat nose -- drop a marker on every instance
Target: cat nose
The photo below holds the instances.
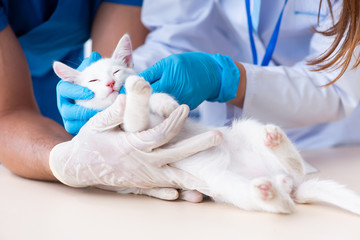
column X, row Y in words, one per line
column 111, row 84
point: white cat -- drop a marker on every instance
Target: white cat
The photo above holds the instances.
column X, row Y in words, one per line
column 256, row 167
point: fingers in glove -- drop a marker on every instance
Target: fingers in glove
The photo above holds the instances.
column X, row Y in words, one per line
column 74, row 126
column 153, row 138
column 179, row 179
column 70, row 111
column 108, row 118
column 161, row 193
column 153, row 73
column 191, row 196
column 73, row 91
column 58, row 158
column 122, row 90
column 156, row 87
column 185, row 148
column 94, row 56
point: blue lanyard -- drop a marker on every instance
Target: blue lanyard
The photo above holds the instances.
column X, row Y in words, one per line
column 272, row 43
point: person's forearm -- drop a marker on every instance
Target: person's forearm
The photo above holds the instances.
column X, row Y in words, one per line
column 26, row 140
column 240, row 95
column 26, row 137
column 112, row 21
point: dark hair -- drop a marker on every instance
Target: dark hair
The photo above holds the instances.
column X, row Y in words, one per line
column 341, row 51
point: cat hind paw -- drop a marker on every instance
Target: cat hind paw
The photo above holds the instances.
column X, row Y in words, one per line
column 285, row 183
column 263, row 188
column 270, row 198
column 273, row 136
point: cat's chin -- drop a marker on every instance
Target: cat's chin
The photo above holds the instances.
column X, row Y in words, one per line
column 99, row 103
column 111, row 97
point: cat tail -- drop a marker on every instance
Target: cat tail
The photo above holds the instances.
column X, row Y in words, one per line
column 314, row 190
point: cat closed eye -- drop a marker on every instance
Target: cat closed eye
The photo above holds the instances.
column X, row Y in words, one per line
column 94, row 80
column 116, row 72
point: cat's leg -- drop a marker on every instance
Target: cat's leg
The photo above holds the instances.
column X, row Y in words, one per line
column 272, row 196
column 136, row 115
column 289, row 157
column 259, row 194
column 162, row 104
column 233, row 189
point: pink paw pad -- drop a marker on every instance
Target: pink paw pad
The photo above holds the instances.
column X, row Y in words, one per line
column 264, row 189
column 273, row 137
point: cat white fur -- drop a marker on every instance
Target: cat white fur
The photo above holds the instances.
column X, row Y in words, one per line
column 256, row 167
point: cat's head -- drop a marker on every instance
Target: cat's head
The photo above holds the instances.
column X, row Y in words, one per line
column 104, row 77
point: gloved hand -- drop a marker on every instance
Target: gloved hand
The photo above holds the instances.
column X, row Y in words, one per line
column 104, row 155
column 75, row 116
column 192, row 78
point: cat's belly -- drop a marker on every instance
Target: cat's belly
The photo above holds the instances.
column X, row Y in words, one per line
column 219, row 161
column 239, row 155
column 227, row 159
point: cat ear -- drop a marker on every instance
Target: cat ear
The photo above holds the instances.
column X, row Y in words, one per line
column 65, row 72
column 123, row 52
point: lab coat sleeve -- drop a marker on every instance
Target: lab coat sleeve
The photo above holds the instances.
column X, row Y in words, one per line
column 294, row 96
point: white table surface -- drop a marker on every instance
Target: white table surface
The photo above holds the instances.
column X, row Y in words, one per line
column 41, row 210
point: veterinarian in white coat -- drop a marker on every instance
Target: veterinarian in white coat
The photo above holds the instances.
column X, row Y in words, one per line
column 285, row 92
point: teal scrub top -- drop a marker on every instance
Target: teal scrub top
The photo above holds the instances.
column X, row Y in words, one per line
column 51, row 30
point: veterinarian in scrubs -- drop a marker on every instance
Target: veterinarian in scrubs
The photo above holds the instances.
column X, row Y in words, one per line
column 270, row 43
column 262, row 71
column 34, row 33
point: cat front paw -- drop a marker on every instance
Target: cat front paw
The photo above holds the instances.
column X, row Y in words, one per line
column 273, row 135
column 137, row 85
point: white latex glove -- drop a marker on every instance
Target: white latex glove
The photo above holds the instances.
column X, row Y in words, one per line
column 103, row 155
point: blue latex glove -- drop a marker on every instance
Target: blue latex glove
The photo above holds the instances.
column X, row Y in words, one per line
column 73, row 115
column 195, row 77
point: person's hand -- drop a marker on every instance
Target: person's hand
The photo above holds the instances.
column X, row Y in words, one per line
column 192, row 78
column 104, row 155
column 75, row 116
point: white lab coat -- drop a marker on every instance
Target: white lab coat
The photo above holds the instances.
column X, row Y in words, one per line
column 286, row 92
